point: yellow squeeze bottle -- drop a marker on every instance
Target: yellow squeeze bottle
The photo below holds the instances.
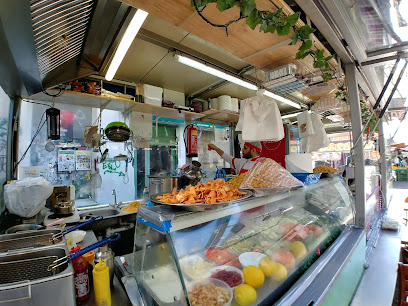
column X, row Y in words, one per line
column 101, row 284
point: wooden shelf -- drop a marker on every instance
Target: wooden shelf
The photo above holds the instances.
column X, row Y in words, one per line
column 118, row 104
column 214, row 114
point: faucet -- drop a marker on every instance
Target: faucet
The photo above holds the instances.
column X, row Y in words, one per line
column 115, row 204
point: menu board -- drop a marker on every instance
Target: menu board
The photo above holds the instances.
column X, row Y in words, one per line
column 83, row 160
column 66, row 160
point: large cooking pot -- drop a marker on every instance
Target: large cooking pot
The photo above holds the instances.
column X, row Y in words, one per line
column 162, row 184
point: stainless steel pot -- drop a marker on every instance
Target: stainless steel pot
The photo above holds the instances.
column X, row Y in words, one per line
column 162, row 184
column 64, row 208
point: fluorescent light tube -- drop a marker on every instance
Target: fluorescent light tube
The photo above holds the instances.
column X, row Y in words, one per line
column 127, row 39
column 291, row 115
column 281, row 99
column 215, row 72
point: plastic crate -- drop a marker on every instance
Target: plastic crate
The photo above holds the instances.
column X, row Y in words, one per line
column 402, row 175
column 308, row 178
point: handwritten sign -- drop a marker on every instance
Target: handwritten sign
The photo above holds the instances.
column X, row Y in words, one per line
column 112, row 167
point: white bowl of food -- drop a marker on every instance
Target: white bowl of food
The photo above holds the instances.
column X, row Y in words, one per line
column 210, row 291
column 78, row 235
column 232, row 276
column 250, row 259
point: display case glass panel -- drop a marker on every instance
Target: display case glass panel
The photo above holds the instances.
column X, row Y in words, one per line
column 266, row 242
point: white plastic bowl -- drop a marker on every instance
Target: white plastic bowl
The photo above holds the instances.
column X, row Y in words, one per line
column 78, row 235
column 250, row 259
column 227, row 268
column 216, row 282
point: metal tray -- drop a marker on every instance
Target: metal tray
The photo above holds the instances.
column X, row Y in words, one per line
column 201, row 207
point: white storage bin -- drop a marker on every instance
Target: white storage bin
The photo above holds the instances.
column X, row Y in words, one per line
column 153, row 95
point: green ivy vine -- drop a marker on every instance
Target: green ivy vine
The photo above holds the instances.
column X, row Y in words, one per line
column 271, row 22
column 366, row 111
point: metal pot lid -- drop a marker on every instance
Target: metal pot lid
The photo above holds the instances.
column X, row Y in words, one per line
column 116, row 124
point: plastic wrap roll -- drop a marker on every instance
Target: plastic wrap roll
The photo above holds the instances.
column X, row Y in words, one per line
column 224, row 103
column 214, row 103
column 234, row 105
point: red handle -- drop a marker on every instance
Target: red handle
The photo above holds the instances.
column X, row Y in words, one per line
column 95, row 164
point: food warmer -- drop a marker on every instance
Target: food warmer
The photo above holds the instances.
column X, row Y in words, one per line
column 174, row 248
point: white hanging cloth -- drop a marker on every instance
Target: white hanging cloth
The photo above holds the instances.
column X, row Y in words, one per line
column 240, row 123
column 317, row 140
column 261, row 119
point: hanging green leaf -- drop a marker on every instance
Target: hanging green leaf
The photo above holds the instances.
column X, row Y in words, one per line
column 270, row 29
column 305, row 31
column 319, row 54
column 273, row 14
column 306, row 45
column 222, row 5
column 283, row 30
column 292, row 19
column 253, row 20
column 247, row 7
column 263, row 26
column 294, row 38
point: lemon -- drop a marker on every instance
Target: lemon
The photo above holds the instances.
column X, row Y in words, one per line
column 280, row 273
column 253, row 276
column 245, row 295
column 298, row 249
column 267, row 266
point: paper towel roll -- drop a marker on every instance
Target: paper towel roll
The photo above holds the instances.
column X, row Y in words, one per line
column 234, row 105
column 214, row 103
column 224, row 103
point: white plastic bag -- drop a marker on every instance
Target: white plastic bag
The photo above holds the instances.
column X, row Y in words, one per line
column 305, row 124
column 319, row 139
column 27, row 197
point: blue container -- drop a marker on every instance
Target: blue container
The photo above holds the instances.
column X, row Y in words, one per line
column 308, row 178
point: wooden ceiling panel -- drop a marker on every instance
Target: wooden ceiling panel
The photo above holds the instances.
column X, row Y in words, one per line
column 173, row 11
column 241, row 41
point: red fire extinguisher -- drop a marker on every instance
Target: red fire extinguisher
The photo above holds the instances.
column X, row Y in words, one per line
column 191, row 143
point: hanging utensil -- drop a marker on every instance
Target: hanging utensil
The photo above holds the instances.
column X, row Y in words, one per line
column 64, row 232
column 126, row 177
column 63, row 260
column 120, row 157
column 104, row 155
column 50, row 146
column 96, row 179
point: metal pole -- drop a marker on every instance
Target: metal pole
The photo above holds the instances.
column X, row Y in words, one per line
column 393, row 91
column 358, row 154
column 383, row 164
column 377, row 103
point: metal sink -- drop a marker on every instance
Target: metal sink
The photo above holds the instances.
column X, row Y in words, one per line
column 107, row 212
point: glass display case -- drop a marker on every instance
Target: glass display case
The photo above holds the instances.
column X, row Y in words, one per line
column 266, row 242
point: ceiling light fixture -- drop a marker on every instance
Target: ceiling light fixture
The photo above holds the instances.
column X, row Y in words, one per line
column 291, row 115
column 127, row 39
column 215, row 72
column 281, row 99
column 220, row 74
